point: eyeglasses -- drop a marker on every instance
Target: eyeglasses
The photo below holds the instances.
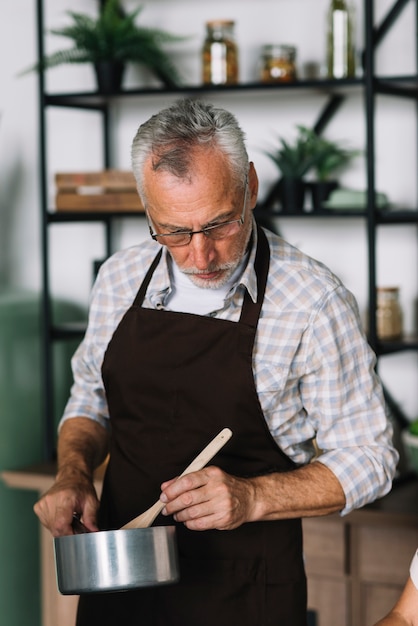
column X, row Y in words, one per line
column 216, row 232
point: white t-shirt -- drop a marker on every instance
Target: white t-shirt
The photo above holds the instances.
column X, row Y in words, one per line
column 413, row 571
column 188, row 298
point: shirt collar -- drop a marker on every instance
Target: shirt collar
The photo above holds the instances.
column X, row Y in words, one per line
column 249, row 279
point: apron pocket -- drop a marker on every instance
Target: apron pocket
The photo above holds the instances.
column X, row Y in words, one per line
column 231, row 592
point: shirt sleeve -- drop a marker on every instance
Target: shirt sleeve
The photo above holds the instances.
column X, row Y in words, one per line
column 344, row 400
column 112, row 294
column 413, row 571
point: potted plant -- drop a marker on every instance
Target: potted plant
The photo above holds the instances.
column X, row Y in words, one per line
column 111, row 41
column 329, row 158
column 409, row 437
column 294, row 161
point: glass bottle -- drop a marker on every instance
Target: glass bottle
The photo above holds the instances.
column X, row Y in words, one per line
column 278, row 64
column 340, row 40
column 220, row 54
column 388, row 313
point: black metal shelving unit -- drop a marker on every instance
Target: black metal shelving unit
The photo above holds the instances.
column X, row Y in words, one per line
column 336, row 91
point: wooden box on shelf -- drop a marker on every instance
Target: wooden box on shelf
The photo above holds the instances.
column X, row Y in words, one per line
column 106, row 190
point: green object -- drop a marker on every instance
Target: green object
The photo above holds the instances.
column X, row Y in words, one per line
column 310, row 152
column 410, row 443
column 21, row 428
column 329, row 157
column 294, row 160
column 413, row 427
column 114, row 36
column 340, row 40
column 20, row 445
column 353, row 199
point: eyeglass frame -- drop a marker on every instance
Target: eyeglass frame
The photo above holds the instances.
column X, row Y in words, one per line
column 203, row 231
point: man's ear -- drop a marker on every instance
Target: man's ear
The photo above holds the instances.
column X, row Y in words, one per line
column 252, row 185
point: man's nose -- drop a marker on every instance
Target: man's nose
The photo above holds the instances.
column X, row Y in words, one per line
column 202, row 250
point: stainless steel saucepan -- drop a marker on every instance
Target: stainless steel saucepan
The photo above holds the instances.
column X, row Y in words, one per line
column 133, row 556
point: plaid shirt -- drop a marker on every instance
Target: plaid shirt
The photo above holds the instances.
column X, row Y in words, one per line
column 312, row 365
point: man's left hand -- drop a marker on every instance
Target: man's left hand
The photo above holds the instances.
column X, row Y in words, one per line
column 209, row 499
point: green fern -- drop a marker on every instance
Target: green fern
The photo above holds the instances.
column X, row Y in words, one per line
column 114, row 35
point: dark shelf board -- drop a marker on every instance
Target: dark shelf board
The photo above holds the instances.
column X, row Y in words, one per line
column 90, row 216
column 95, row 100
column 383, row 216
column 405, row 344
column 71, row 330
column 302, row 213
column 400, row 86
column 77, row 330
column 397, row 216
column 406, row 86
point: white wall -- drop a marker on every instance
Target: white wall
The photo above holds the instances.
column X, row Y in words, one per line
column 74, row 144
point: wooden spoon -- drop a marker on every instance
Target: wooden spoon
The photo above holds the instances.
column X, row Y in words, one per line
column 146, row 518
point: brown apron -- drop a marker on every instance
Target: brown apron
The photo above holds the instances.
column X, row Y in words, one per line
column 173, row 381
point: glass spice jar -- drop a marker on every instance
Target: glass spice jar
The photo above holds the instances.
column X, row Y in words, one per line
column 278, row 63
column 388, row 313
column 220, row 54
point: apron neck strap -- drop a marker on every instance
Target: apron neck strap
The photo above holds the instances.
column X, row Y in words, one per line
column 143, row 288
column 251, row 310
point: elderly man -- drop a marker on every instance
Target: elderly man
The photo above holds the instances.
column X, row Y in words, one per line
column 216, row 322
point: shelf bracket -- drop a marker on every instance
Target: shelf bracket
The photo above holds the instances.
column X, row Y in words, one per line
column 328, row 112
column 380, row 31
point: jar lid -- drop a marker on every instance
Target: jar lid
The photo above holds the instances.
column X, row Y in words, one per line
column 214, row 23
column 382, row 289
column 277, row 50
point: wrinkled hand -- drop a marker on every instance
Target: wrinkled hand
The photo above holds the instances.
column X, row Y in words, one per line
column 69, row 494
column 209, row 499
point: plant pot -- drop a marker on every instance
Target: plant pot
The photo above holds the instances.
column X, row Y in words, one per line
column 109, row 75
column 320, row 192
column 292, row 194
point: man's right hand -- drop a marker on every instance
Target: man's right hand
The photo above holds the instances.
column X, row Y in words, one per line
column 82, row 446
column 68, row 495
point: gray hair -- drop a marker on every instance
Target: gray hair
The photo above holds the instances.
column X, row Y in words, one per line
column 171, row 135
